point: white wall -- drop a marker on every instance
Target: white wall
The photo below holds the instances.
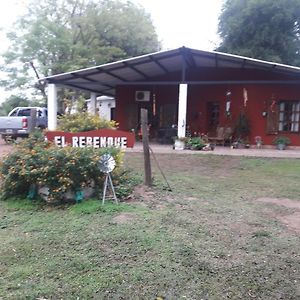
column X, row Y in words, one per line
column 104, row 106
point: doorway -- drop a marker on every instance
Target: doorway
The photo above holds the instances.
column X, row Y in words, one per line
column 213, row 116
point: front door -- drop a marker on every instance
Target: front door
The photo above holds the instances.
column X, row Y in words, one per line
column 213, row 116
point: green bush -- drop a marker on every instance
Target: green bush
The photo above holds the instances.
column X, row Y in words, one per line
column 80, row 122
column 281, row 140
column 195, row 143
column 36, row 163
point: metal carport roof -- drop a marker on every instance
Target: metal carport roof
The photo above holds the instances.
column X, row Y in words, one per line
column 147, row 68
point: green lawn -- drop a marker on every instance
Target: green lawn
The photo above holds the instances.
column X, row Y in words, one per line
column 207, row 239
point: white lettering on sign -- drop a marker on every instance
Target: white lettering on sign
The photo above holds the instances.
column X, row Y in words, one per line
column 123, row 142
column 82, row 143
column 57, row 141
column 95, row 142
column 89, row 141
column 110, row 141
column 60, row 141
column 75, row 141
column 103, row 142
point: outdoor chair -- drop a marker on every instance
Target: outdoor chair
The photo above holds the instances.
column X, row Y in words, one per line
column 218, row 138
column 223, row 136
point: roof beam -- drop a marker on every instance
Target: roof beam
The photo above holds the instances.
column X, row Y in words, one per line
column 91, row 80
column 217, row 60
column 81, row 83
column 189, row 55
column 80, row 88
column 216, row 82
column 159, row 64
column 184, row 56
column 135, row 69
column 85, row 89
column 82, row 77
column 111, row 74
column 244, row 63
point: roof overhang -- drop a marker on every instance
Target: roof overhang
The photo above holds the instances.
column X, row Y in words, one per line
column 147, row 69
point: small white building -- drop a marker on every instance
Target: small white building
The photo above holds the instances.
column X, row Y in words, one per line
column 105, row 106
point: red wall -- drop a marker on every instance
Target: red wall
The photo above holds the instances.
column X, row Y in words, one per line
column 200, row 95
column 258, row 98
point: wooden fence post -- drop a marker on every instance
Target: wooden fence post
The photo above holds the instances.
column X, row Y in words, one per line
column 32, row 123
column 145, row 138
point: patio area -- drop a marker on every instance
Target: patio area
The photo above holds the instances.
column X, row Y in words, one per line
column 219, row 150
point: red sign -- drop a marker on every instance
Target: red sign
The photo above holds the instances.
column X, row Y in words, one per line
column 95, row 138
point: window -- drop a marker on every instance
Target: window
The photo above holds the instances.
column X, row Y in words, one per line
column 24, row 112
column 289, row 116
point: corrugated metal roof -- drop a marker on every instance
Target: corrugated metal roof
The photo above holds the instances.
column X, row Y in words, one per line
column 103, row 79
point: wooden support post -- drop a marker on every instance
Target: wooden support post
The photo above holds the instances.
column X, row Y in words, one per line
column 145, row 138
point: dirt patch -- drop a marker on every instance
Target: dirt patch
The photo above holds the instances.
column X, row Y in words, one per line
column 292, row 221
column 124, row 218
column 282, row 202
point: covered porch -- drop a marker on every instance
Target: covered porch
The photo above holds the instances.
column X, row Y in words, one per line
column 188, row 91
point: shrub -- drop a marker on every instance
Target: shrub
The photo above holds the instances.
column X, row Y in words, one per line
column 36, row 163
column 80, row 122
column 281, row 140
column 195, row 143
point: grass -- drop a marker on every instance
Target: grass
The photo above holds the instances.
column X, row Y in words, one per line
column 207, row 239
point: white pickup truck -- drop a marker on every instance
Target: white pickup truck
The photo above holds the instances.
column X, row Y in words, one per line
column 19, row 121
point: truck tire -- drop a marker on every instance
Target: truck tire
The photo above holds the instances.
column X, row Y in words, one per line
column 9, row 139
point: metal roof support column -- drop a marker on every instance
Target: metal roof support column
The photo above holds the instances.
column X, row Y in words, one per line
column 93, row 104
column 52, row 106
column 182, row 105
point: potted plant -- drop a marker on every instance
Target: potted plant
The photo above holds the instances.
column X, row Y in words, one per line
column 195, row 143
column 241, row 130
column 281, row 142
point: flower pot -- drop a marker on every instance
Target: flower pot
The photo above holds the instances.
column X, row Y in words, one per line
column 179, row 145
column 281, row 146
column 258, row 145
column 87, row 191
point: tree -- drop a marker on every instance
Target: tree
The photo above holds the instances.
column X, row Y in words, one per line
column 57, row 36
column 12, row 102
column 263, row 29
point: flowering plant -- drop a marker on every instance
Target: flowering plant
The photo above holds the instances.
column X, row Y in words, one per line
column 80, row 122
column 41, row 164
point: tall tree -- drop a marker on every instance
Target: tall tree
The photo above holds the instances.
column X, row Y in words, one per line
column 57, row 36
column 263, row 29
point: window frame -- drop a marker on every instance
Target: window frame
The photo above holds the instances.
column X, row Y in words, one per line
column 288, row 116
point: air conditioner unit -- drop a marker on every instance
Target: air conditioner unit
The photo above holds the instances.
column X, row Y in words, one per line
column 142, row 96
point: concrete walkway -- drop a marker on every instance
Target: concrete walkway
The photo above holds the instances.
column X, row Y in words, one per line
column 265, row 152
column 158, row 148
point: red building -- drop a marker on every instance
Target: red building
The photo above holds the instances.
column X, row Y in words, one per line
column 199, row 91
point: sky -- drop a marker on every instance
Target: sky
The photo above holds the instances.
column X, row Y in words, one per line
column 190, row 23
